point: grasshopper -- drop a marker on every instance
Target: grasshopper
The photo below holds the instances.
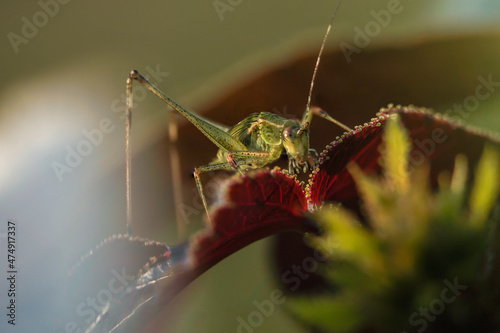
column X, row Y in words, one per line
column 254, row 142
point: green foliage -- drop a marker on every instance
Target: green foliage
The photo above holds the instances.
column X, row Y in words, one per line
column 429, row 260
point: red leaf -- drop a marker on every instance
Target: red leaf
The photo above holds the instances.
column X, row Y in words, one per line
column 254, row 206
column 434, row 138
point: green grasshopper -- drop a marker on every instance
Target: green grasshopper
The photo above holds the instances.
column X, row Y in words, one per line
column 254, row 142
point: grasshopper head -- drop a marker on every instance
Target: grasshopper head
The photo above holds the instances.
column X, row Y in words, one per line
column 296, row 144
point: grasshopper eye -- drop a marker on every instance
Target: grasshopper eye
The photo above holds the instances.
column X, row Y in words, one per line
column 289, row 134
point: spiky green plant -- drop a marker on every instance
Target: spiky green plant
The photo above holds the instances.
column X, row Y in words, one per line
column 429, row 260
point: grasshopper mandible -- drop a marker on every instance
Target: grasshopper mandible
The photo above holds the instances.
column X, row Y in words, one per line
column 254, row 142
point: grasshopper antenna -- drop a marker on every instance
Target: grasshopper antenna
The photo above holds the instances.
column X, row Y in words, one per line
column 308, row 114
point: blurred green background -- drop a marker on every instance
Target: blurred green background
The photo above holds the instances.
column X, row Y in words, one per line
column 69, row 75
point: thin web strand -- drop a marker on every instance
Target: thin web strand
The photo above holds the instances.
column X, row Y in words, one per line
column 128, row 154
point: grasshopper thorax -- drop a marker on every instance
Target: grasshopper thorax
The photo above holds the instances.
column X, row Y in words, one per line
column 295, row 140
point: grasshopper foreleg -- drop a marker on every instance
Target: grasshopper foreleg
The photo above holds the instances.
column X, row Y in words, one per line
column 239, row 160
column 203, row 169
column 322, row 113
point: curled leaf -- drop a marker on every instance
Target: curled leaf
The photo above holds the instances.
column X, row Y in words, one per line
column 434, row 139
